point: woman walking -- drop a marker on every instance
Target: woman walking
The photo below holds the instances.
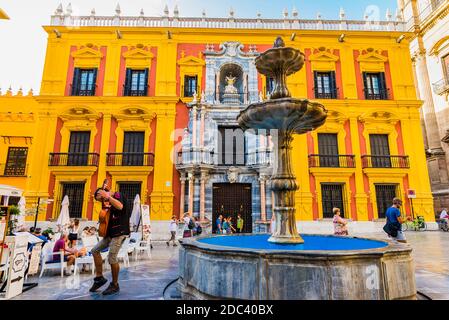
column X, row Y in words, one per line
column 340, row 225
column 173, row 227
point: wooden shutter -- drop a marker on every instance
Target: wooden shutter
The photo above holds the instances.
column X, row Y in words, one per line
column 315, row 80
column 147, row 72
column 94, row 81
column 128, row 81
column 383, row 86
column 75, row 82
column 365, row 85
column 333, row 85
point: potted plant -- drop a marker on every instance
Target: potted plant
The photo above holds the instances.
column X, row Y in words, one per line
column 13, row 213
column 48, row 233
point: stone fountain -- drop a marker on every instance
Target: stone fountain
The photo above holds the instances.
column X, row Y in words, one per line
column 286, row 265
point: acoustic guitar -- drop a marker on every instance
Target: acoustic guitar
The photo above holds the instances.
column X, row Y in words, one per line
column 103, row 217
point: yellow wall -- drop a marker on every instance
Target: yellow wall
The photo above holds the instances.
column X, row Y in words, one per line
column 82, row 113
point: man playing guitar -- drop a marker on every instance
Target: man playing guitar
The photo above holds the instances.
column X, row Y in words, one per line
column 114, row 205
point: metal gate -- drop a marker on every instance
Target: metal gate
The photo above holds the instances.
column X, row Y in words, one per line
column 78, row 148
column 75, row 192
column 332, row 197
column 129, row 190
column 385, row 193
column 328, row 150
column 231, row 200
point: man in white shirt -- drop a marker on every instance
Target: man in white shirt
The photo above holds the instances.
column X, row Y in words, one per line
column 173, row 227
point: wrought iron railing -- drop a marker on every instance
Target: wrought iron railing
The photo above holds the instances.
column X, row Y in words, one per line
column 130, row 159
column 73, row 159
column 128, row 91
column 331, row 161
column 378, row 94
column 369, row 161
column 76, row 91
column 332, row 94
column 441, row 86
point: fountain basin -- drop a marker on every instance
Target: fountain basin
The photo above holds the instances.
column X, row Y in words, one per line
column 323, row 268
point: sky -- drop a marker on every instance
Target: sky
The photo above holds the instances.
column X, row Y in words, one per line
column 23, row 41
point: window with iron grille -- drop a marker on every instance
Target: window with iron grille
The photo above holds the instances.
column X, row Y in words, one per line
column 328, row 150
column 375, row 86
column 129, row 190
column 333, row 196
column 84, row 82
column 79, row 148
column 190, row 85
column 75, row 192
column 231, row 146
column 16, row 161
column 136, row 82
column 325, row 85
column 270, row 85
column 385, row 193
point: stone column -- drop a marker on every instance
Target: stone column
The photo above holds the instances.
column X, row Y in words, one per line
column 263, row 212
column 203, row 195
column 182, row 195
column 191, row 192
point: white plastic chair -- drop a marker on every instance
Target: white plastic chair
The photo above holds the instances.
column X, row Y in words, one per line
column 143, row 246
column 47, row 256
column 88, row 243
column 123, row 253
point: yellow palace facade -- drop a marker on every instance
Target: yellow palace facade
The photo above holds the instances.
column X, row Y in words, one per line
column 140, row 100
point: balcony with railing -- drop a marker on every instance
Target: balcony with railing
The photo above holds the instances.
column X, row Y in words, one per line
column 131, row 91
column 259, row 158
column 441, row 87
column 331, row 161
column 378, row 94
column 130, row 159
column 13, row 169
column 78, row 92
column 331, row 93
column 401, row 162
column 194, row 156
column 73, row 159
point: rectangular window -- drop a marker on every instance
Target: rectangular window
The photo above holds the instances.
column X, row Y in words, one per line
column 375, row 86
column 190, row 85
column 79, row 148
column 385, row 193
column 328, row 150
column 332, row 197
column 136, row 83
column 380, row 151
column 270, row 85
column 75, row 192
column 133, row 148
column 16, row 161
column 445, row 61
column 84, row 82
column 129, row 190
column 231, row 146
column 325, row 85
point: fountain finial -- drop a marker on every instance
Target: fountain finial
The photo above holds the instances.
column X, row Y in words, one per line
column 279, row 43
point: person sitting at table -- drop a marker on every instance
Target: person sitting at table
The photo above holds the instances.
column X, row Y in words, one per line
column 69, row 253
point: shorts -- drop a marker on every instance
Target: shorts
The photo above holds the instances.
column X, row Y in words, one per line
column 114, row 245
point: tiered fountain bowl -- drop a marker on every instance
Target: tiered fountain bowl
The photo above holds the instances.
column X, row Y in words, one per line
column 287, row 265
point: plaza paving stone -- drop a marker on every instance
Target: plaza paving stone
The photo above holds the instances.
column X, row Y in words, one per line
column 147, row 278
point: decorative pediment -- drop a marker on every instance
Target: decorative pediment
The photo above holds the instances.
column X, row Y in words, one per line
column 87, row 57
column 80, row 113
column 379, row 117
column 135, row 113
column 324, row 54
column 372, row 56
column 191, row 61
column 138, row 58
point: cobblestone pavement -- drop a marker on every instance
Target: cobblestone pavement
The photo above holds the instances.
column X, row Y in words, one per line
column 146, row 279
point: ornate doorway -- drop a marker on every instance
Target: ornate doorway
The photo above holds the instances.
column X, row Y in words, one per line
column 230, row 200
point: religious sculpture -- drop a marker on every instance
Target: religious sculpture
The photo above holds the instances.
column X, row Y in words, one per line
column 230, row 88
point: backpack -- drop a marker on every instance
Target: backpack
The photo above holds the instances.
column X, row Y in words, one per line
column 199, row 230
column 191, row 225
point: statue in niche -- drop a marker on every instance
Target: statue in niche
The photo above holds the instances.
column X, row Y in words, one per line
column 230, row 88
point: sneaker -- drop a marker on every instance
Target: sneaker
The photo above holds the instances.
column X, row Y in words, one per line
column 168, row 244
column 98, row 283
column 112, row 289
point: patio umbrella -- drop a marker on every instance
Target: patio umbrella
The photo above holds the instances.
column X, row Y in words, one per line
column 64, row 217
column 21, row 216
column 135, row 215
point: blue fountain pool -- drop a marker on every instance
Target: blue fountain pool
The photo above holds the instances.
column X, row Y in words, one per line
column 311, row 243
